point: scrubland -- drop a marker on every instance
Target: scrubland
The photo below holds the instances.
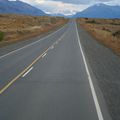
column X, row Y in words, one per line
column 105, row 31
column 14, row 28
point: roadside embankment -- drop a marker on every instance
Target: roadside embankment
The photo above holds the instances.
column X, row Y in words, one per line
column 105, row 31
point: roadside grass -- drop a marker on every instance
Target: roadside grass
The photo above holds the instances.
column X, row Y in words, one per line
column 21, row 27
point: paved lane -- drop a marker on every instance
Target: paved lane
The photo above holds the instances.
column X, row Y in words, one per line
column 55, row 87
column 12, row 63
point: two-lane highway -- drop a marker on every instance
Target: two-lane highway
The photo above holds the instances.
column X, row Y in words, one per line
column 48, row 80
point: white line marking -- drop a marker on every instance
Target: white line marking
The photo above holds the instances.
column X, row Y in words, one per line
column 98, row 109
column 44, row 55
column 31, row 43
column 52, row 47
column 27, row 72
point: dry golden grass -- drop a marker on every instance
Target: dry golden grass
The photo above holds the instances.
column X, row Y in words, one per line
column 106, row 31
column 20, row 27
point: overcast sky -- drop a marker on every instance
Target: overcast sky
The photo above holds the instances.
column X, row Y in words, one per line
column 67, row 7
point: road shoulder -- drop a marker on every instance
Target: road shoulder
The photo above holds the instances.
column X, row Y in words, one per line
column 89, row 50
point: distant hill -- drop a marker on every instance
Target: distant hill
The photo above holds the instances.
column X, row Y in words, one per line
column 100, row 11
column 19, row 7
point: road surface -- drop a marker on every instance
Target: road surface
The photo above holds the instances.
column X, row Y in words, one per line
column 48, row 79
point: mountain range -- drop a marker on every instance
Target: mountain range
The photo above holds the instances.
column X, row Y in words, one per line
column 95, row 11
column 99, row 11
column 19, row 7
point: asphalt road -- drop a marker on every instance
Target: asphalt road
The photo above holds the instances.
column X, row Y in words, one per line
column 48, row 79
column 105, row 67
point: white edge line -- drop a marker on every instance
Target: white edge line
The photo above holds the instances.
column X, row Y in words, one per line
column 31, row 43
column 98, row 109
column 27, row 72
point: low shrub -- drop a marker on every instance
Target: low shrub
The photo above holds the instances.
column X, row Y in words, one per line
column 106, row 29
column 1, row 36
column 115, row 23
column 92, row 22
column 116, row 34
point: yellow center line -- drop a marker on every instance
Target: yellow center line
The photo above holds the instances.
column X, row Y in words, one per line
column 27, row 68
